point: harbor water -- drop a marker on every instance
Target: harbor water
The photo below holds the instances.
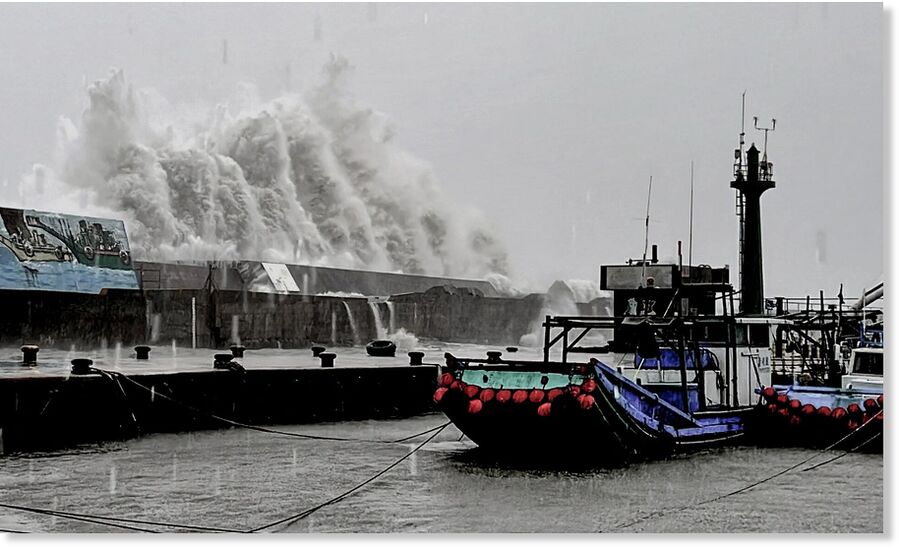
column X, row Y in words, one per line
column 242, row 479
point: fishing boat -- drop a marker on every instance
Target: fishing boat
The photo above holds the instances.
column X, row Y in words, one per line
column 683, row 369
column 849, row 416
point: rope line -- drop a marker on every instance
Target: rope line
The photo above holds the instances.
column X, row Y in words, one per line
column 844, row 454
column 752, row 485
column 258, row 428
column 72, row 516
column 287, row 521
column 76, row 516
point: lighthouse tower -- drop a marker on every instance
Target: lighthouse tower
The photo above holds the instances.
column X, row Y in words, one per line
column 751, row 181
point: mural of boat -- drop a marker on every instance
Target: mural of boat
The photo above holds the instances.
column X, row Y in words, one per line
column 35, row 248
column 92, row 245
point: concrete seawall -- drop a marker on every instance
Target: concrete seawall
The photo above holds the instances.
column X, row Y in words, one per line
column 45, row 413
column 214, row 319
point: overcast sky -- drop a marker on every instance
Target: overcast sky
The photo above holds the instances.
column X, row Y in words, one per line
column 550, row 118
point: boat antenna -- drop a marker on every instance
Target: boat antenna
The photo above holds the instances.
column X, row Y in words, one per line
column 646, row 241
column 690, row 245
column 742, row 129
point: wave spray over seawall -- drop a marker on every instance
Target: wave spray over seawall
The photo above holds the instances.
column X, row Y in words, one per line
column 308, row 178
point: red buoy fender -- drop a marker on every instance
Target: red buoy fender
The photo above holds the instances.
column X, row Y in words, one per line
column 503, row 396
column 589, row 386
column 439, row 393
column 520, row 396
column 457, row 385
column 782, row 399
column 574, row 390
column 824, row 411
column 586, row 401
column 769, row 393
column 838, row 413
column 544, row 409
column 871, row 405
column 553, row 394
column 446, row 379
column 471, row 390
column 475, row 406
column 487, row 395
column 536, row 396
column 807, row 410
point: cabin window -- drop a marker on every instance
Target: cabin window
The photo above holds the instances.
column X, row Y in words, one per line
column 868, row 363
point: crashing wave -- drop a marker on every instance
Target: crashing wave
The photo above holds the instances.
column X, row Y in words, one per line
column 312, row 179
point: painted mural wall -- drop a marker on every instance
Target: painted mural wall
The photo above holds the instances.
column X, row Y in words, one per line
column 66, row 253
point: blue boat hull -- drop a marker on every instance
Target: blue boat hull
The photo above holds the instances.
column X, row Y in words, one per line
column 623, row 422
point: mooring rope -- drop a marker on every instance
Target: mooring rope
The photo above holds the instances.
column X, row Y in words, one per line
column 287, row 521
column 95, row 518
column 258, row 428
column 73, row 516
column 752, row 485
column 846, row 453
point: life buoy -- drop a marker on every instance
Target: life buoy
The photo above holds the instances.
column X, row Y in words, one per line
column 381, row 347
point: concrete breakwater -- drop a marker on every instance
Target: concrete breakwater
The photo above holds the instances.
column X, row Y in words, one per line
column 215, row 319
column 51, row 412
column 213, row 305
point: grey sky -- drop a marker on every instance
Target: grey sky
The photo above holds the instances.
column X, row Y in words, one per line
column 550, row 118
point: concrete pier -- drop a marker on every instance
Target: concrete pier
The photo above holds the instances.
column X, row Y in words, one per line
column 45, row 407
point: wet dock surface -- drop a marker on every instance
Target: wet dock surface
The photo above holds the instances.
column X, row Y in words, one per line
column 169, row 359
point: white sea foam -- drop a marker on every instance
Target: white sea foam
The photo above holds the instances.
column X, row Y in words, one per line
column 312, row 178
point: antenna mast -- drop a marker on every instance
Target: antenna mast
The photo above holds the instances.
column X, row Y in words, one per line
column 690, row 245
column 755, row 121
column 646, row 242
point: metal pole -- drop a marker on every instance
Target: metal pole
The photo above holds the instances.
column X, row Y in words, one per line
column 546, row 339
column 193, row 322
column 685, row 393
column 646, row 243
column 733, row 330
column 726, row 352
column 690, row 247
column 697, row 365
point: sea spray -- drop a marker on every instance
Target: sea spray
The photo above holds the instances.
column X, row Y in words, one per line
column 405, row 341
column 312, row 178
column 562, row 299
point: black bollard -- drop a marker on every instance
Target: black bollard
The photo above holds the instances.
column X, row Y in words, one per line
column 415, row 358
column 142, row 352
column 237, row 350
column 493, row 356
column 29, row 354
column 81, row 366
column 317, row 350
column 512, row 349
column 327, row 359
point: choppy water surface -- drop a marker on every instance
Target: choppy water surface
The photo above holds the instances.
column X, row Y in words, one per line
column 243, row 479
